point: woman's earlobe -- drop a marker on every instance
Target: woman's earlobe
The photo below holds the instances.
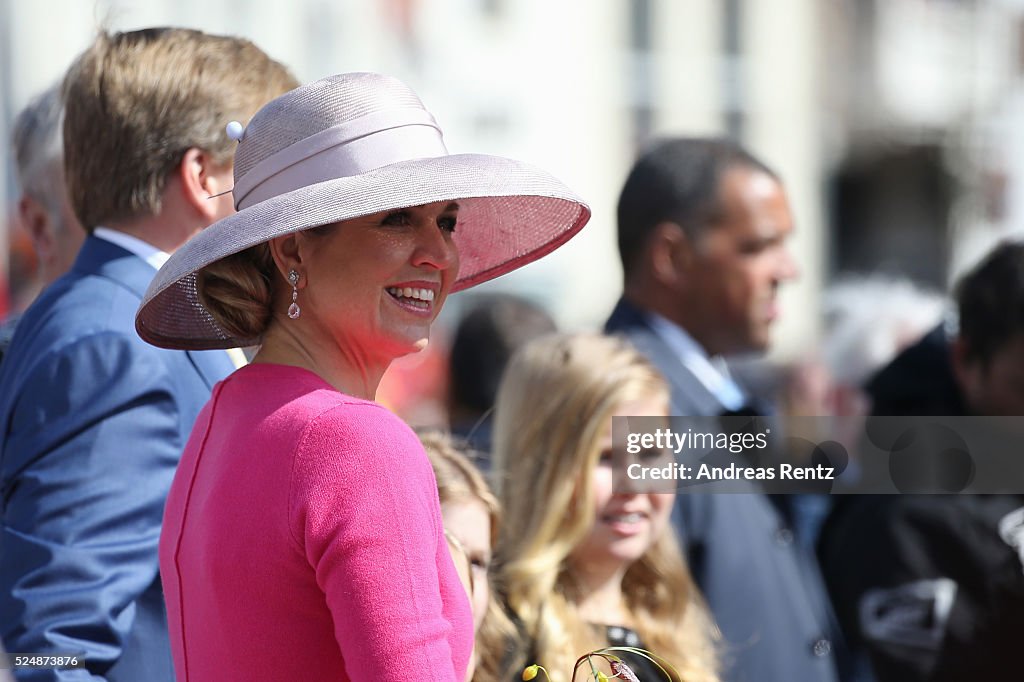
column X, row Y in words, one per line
column 288, row 258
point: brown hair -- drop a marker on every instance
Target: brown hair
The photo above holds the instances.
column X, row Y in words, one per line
column 459, row 480
column 136, row 101
column 544, row 452
column 238, row 291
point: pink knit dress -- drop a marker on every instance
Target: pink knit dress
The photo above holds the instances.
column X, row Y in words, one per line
column 302, row 540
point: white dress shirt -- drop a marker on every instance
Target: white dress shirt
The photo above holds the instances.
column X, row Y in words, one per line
column 711, row 372
column 156, row 258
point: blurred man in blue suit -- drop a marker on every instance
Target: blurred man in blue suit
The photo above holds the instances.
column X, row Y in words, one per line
column 703, row 229
column 92, row 418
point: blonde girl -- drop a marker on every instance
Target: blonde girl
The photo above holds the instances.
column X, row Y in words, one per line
column 582, row 565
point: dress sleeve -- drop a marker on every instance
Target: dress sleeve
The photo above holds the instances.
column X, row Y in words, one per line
column 363, row 509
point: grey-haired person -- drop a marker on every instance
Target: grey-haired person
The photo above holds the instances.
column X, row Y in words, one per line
column 44, row 210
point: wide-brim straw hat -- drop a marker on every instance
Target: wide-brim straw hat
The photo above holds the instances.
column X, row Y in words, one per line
column 347, row 146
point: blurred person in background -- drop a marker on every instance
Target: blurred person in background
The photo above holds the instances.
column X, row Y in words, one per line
column 583, row 565
column 486, row 336
column 869, row 320
column 702, row 234
column 931, row 587
column 472, row 516
column 973, row 366
column 44, row 210
column 415, row 386
column 93, row 419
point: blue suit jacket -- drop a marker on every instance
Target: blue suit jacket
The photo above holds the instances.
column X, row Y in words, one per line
column 762, row 586
column 93, row 421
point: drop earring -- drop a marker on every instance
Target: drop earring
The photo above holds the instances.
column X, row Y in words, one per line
column 293, row 310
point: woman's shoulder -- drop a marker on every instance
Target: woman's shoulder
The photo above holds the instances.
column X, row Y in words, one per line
column 336, row 415
column 294, row 403
column 335, row 424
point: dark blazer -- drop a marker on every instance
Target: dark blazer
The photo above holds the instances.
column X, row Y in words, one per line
column 7, row 328
column 918, row 381
column 93, row 421
column 928, row 587
column 762, row 586
column 689, row 396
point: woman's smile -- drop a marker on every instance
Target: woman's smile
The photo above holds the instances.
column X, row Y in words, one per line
column 415, row 297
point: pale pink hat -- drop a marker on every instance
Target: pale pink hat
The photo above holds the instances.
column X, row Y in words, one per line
column 347, row 146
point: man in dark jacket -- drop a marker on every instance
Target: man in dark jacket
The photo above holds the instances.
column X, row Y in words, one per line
column 703, row 229
column 931, row 587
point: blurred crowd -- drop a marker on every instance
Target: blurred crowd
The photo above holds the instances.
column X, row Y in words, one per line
column 514, row 415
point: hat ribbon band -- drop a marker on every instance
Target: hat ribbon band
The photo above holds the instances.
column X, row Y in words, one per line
column 351, row 148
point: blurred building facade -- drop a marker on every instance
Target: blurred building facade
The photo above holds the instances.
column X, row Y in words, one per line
column 878, row 114
column 925, row 133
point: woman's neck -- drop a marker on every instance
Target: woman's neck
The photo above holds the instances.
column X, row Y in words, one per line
column 345, row 371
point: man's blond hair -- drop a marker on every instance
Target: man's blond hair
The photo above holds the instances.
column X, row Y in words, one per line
column 135, row 102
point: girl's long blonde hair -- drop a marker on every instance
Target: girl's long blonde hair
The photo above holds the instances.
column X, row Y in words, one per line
column 553, row 408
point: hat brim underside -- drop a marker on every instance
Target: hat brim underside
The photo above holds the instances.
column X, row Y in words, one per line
column 510, row 214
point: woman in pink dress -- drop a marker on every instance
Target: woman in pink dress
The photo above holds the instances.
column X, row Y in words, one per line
column 302, row 537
